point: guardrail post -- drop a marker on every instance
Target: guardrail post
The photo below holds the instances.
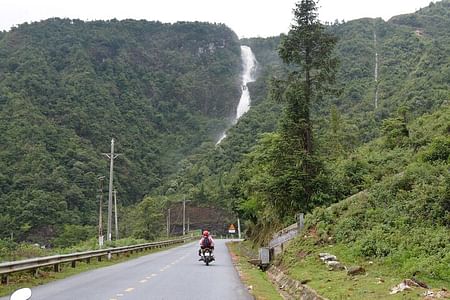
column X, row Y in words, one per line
column 74, row 263
column 99, row 258
column 35, row 272
column 109, row 255
column 300, row 222
column 5, row 279
column 56, row 268
column 88, row 260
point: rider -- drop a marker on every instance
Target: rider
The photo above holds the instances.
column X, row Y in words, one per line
column 202, row 243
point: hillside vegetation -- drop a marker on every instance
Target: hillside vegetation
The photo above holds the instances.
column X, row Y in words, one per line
column 398, row 228
column 394, row 151
column 413, row 67
column 165, row 92
column 67, row 87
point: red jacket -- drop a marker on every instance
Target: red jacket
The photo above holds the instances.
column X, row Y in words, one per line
column 211, row 241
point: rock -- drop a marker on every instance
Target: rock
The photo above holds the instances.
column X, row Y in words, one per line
column 334, row 265
column 305, row 281
column 400, row 288
column 442, row 294
column 420, row 283
column 410, row 282
column 352, row 271
column 328, row 258
column 428, row 294
column 380, row 280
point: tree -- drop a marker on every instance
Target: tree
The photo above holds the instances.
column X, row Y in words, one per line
column 308, row 51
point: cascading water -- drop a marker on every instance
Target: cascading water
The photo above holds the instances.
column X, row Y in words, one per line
column 248, row 75
column 249, row 64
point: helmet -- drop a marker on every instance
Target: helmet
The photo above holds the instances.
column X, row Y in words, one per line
column 205, row 233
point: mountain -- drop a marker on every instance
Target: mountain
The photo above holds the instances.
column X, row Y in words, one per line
column 164, row 92
column 411, row 55
column 67, row 87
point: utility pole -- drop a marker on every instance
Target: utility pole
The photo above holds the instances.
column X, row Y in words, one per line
column 239, row 228
column 100, row 212
column 111, row 156
column 115, row 215
column 168, row 222
column 184, row 215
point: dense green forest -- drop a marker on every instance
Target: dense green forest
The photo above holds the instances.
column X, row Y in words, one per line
column 413, row 68
column 67, row 87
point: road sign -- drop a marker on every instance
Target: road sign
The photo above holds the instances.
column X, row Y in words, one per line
column 231, row 229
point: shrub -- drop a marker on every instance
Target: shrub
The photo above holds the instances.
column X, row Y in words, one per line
column 439, row 150
column 73, row 234
column 374, row 243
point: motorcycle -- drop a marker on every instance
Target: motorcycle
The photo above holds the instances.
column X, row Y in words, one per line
column 22, row 294
column 207, row 256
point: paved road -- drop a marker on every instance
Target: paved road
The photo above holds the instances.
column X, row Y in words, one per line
column 172, row 274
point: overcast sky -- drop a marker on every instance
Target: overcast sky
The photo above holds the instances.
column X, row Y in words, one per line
column 248, row 18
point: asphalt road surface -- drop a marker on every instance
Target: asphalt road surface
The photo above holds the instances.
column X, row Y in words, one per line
column 171, row 274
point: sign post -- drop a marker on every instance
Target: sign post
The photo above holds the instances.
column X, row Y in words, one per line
column 232, row 229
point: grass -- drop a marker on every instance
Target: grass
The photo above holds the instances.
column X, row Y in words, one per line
column 26, row 279
column 261, row 287
column 301, row 262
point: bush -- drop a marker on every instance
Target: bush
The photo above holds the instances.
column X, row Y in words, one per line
column 439, row 150
column 375, row 243
column 7, row 246
column 74, row 234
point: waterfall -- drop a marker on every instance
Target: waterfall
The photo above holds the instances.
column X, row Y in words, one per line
column 248, row 74
column 376, row 68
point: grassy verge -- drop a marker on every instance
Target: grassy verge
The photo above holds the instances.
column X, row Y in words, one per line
column 301, row 262
column 26, row 278
column 252, row 276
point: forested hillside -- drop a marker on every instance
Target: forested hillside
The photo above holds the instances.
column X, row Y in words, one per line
column 67, row 87
column 376, row 184
column 411, row 53
column 165, row 93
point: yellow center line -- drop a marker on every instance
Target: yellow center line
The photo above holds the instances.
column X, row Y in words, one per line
column 129, row 290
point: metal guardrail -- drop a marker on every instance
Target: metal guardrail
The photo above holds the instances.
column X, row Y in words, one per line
column 288, row 233
column 275, row 246
column 284, row 237
column 34, row 264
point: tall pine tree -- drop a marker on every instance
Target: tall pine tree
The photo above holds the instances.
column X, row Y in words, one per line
column 308, row 52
